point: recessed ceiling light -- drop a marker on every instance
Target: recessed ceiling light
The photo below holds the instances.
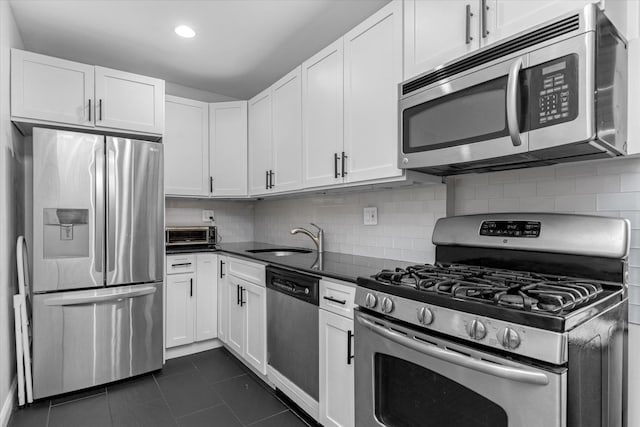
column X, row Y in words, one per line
column 184, row 31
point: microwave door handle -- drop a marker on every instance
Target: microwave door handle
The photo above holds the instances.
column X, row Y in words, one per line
column 507, row 372
column 512, row 103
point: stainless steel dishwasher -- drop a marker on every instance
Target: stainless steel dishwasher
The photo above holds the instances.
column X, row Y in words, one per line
column 292, row 327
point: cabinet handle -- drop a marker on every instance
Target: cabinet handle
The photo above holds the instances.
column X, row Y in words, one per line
column 237, row 294
column 335, row 165
column 191, row 287
column 468, row 37
column 349, row 345
column 484, row 7
column 100, row 109
column 182, row 264
column 339, row 301
column 242, row 301
column 221, row 268
column 210, row 184
column 266, row 180
column 89, row 110
column 344, row 158
column 271, row 185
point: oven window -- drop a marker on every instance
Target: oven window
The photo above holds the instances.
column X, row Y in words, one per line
column 409, row 395
column 470, row 115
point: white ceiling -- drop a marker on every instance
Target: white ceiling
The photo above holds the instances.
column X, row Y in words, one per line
column 241, row 46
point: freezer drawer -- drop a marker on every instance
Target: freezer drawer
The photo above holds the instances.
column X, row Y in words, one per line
column 86, row 338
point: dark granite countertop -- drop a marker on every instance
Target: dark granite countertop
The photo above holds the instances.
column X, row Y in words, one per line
column 335, row 265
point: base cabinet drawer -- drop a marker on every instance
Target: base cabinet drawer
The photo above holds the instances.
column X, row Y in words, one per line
column 177, row 264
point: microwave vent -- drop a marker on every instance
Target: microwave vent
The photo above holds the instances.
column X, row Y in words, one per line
column 532, row 38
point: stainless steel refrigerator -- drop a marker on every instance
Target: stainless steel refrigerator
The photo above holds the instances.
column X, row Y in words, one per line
column 98, row 253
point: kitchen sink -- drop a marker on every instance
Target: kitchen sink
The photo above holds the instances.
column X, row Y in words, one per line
column 280, row 251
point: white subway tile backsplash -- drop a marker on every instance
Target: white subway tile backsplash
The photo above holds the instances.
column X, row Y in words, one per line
column 630, row 182
column 503, row 177
column 576, row 203
column 538, row 204
column 556, row 187
column 504, row 205
column 520, row 189
column 472, row 206
column 494, row 191
column 619, row 201
column 598, row 184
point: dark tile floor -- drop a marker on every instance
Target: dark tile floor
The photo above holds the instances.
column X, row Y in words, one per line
column 211, row 388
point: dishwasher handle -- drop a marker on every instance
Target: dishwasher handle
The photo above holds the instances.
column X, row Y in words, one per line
column 294, row 284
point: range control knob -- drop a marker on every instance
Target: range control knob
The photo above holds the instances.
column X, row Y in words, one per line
column 425, row 316
column 477, row 330
column 370, row 301
column 509, row 339
column 387, row 305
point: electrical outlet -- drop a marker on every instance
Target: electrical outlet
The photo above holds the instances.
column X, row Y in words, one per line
column 207, row 216
column 371, row 216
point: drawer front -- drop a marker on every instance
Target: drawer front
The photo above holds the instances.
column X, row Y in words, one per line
column 247, row 270
column 181, row 264
column 337, row 297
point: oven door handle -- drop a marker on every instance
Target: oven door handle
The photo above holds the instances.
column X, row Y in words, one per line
column 512, row 103
column 510, row 373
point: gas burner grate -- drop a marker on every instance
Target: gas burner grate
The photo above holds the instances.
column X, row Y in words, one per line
column 513, row 289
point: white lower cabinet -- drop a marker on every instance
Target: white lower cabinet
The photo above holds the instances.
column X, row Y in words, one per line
column 192, row 301
column 223, row 306
column 245, row 312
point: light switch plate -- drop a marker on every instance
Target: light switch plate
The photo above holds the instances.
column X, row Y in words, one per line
column 371, row 216
column 207, row 216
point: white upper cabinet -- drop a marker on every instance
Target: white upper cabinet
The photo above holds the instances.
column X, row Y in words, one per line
column 372, row 72
column 438, row 31
column 228, row 148
column 286, row 99
column 260, row 127
column 51, row 89
column 322, row 122
column 129, row 101
column 186, row 147
column 56, row 91
column 508, row 17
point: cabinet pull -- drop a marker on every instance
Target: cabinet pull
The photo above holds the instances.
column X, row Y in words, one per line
column 100, row 109
column 242, row 301
column 349, row 345
column 182, row 264
column 237, row 294
column 335, row 165
column 468, row 37
column 339, row 301
column 483, row 10
column 191, row 287
column 89, row 109
column 210, row 184
column 266, row 180
column 271, row 185
column 344, row 158
column 221, row 269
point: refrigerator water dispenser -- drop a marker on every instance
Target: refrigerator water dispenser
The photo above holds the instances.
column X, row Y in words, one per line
column 66, row 233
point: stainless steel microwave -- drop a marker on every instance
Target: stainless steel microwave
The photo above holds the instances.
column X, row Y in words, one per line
column 555, row 93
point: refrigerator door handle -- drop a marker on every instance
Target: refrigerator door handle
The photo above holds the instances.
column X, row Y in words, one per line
column 84, row 299
column 111, row 208
column 99, row 182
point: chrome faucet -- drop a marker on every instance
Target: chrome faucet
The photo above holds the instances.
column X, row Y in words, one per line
column 318, row 239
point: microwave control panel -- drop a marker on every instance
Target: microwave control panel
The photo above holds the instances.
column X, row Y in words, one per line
column 553, row 92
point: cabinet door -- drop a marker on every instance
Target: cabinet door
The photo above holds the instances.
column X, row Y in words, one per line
column 508, row 17
column 51, row 89
column 179, row 309
column 435, row 32
column 336, row 371
column 287, row 131
column 223, row 300
column 206, row 295
column 129, row 101
column 186, row 147
column 260, row 152
column 372, row 71
column 255, row 325
column 235, row 316
column 228, row 142
column 322, row 109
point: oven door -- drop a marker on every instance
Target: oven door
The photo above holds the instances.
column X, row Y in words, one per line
column 406, row 378
column 474, row 117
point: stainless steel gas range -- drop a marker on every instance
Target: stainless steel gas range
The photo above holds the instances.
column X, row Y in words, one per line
column 521, row 322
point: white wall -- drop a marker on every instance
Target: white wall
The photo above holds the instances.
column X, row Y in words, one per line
column 233, row 219
column 405, row 222
column 11, row 205
column 176, row 89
